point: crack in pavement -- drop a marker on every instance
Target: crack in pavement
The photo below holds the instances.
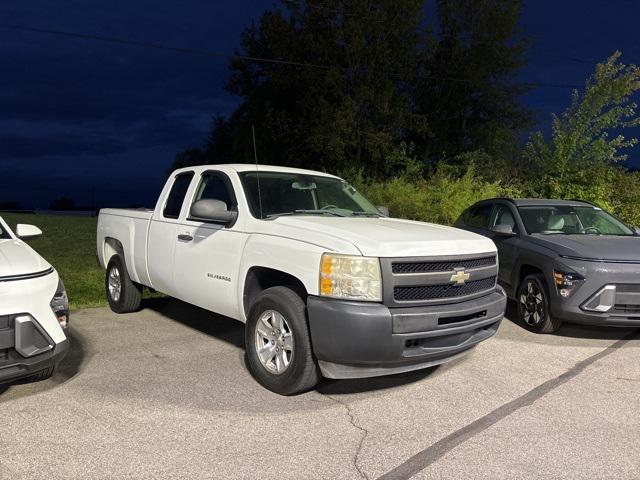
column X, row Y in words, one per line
column 434, row 452
column 365, row 432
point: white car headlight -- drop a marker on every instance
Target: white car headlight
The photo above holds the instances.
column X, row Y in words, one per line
column 350, row 277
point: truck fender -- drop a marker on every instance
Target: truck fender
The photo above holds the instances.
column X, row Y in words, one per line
column 270, row 261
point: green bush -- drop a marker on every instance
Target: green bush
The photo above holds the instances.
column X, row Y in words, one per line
column 439, row 198
column 624, row 197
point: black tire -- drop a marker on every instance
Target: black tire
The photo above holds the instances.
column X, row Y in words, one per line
column 130, row 296
column 533, row 305
column 302, row 372
column 42, row 374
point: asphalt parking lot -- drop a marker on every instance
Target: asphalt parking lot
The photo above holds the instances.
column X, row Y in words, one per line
column 164, row 393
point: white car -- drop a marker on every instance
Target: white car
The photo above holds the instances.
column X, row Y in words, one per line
column 34, row 309
column 326, row 282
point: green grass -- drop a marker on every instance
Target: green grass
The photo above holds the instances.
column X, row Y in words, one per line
column 69, row 244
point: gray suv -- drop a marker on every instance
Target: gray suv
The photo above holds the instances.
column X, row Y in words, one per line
column 562, row 260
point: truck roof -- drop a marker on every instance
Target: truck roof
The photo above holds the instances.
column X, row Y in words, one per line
column 251, row 167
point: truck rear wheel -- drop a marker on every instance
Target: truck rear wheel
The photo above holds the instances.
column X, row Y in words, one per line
column 123, row 294
column 279, row 354
column 533, row 305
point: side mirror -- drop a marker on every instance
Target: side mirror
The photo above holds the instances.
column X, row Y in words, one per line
column 383, row 210
column 25, row 231
column 210, row 210
column 504, row 230
column 636, row 230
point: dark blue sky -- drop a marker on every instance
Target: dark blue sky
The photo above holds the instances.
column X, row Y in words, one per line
column 78, row 114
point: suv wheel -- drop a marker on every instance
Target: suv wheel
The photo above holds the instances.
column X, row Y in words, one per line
column 533, row 305
column 279, row 354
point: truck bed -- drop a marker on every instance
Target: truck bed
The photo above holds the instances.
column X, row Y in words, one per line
column 130, row 228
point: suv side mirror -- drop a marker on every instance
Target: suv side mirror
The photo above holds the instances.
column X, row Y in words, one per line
column 25, row 231
column 383, row 210
column 504, row 230
column 210, row 210
column 636, row 230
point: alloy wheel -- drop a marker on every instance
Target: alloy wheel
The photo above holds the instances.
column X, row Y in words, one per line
column 274, row 342
column 532, row 304
column 115, row 284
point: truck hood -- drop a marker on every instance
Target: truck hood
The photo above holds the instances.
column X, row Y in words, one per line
column 389, row 237
column 595, row 247
column 18, row 258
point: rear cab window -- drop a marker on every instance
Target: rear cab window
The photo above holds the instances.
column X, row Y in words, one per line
column 175, row 199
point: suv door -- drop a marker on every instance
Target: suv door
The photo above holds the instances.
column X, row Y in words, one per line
column 507, row 245
column 208, row 254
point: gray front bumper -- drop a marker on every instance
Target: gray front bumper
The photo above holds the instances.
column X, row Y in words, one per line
column 597, row 275
column 360, row 339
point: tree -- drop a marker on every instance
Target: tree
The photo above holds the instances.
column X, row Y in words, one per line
column 469, row 90
column 352, row 102
column 587, row 141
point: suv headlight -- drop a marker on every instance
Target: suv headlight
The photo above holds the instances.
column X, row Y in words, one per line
column 350, row 277
column 60, row 305
column 567, row 282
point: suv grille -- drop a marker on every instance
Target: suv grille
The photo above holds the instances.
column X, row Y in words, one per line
column 431, row 292
column 399, row 268
column 628, row 309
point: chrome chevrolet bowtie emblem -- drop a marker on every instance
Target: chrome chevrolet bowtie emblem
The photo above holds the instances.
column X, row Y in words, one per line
column 459, row 277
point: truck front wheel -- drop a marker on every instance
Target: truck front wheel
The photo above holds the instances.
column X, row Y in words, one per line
column 279, row 354
column 123, row 294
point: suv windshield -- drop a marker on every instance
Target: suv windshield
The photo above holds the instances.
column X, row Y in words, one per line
column 571, row 220
column 292, row 193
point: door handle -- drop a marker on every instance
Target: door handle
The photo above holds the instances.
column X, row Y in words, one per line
column 185, row 237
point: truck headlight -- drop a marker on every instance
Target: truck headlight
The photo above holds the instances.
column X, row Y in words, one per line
column 567, row 282
column 60, row 305
column 350, row 277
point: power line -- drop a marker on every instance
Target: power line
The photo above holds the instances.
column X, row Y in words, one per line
column 122, row 41
column 212, row 53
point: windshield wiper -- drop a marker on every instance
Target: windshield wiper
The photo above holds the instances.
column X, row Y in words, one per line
column 366, row 214
column 307, row 212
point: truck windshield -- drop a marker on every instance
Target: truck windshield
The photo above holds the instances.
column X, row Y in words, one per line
column 572, row 220
column 291, row 193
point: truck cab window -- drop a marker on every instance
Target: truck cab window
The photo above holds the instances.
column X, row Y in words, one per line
column 176, row 195
column 213, row 187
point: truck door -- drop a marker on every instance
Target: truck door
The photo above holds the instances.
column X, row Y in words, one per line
column 163, row 232
column 208, row 254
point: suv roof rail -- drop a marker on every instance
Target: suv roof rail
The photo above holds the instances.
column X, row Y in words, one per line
column 507, row 199
column 583, row 201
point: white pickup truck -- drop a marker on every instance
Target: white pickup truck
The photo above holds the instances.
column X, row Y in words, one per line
column 326, row 283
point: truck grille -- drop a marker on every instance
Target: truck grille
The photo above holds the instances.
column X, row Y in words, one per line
column 430, row 292
column 399, row 268
column 414, row 281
